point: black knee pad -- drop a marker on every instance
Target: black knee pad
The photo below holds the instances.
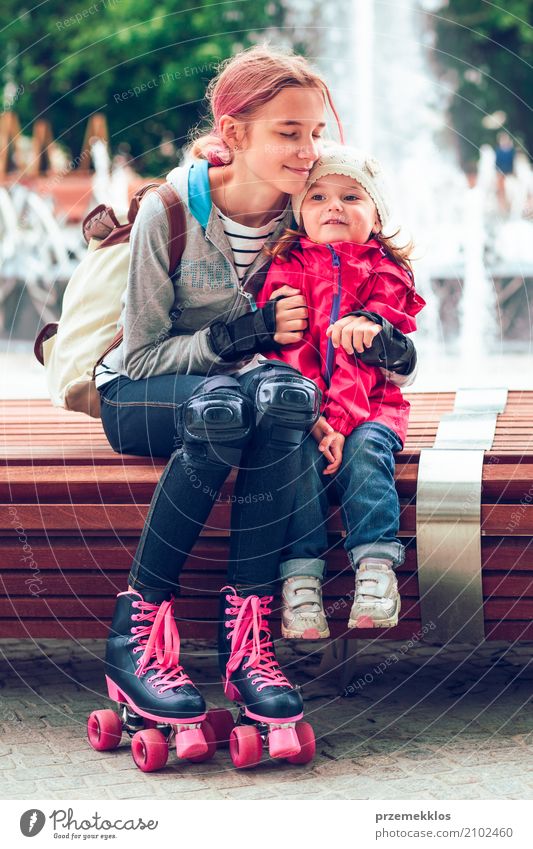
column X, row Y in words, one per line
column 287, row 405
column 217, row 421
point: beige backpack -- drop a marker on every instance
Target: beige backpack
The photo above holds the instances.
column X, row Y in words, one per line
column 71, row 349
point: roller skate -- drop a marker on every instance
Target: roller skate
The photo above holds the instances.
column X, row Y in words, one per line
column 270, row 708
column 158, row 703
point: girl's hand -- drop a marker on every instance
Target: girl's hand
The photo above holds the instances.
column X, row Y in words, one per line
column 291, row 315
column 353, row 333
column 332, row 446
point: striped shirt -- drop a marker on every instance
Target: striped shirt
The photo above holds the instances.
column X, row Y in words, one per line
column 246, row 242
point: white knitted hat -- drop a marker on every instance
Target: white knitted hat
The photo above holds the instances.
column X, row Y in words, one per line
column 350, row 162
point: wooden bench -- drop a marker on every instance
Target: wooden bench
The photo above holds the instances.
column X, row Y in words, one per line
column 71, row 512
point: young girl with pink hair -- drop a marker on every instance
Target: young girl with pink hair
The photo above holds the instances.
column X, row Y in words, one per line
column 177, row 388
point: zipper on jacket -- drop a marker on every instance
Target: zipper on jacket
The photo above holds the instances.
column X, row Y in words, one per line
column 334, row 314
column 248, row 295
column 238, row 287
column 250, row 298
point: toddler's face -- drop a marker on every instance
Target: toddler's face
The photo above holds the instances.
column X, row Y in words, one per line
column 337, row 209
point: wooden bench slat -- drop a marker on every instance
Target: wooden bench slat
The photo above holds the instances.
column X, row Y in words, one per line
column 126, row 518
column 107, row 484
column 209, row 553
column 511, row 631
column 48, row 455
column 76, row 607
column 12, row 428
column 86, row 582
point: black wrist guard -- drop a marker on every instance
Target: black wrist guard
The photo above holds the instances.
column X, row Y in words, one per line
column 252, row 333
column 390, row 349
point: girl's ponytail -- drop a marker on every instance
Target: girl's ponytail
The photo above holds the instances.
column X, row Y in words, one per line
column 212, row 148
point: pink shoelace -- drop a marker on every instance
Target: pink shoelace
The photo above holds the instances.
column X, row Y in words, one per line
column 251, row 638
column 159, row 640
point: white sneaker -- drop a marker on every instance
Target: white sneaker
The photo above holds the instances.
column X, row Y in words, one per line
column 302, row 613
column 377, row 601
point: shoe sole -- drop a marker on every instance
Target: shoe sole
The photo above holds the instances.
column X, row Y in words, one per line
column 368, row 622
column 308, row 634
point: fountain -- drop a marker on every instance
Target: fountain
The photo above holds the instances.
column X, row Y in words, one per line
column 391, row 103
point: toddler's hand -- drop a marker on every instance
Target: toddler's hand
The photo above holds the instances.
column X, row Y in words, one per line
column 353, row 332
column 321, row 428
column 332, row 446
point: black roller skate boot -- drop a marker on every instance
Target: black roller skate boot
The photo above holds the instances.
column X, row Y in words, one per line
column 270, row 707
column 157, row 699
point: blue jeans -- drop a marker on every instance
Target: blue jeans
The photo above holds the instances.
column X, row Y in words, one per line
column 142, row 417
column 369, row 503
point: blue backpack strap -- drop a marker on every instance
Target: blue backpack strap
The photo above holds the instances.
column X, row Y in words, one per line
column 199, row 192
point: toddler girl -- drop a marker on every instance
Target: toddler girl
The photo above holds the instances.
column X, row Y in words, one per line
column 344, row 266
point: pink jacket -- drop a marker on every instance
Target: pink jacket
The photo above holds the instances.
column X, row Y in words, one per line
column 337, row 279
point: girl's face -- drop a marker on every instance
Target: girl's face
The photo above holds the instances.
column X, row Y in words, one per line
column 281, row 142
column 337, row 209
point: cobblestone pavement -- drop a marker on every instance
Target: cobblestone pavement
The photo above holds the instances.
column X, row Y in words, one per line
column 427, row 723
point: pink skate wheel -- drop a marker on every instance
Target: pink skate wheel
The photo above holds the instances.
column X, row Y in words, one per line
column 191, row 743
column 104, row 730
column 211, row 741
column 221, row 721
column 283, row 742
column 245, row 746
column 149, row 749
column 306, row 736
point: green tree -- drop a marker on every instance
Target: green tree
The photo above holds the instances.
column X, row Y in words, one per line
column 144, row 63
column 488, row 50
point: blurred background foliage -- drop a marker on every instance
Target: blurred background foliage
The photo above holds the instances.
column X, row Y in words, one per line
column 486, row 50
column 75, row 58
